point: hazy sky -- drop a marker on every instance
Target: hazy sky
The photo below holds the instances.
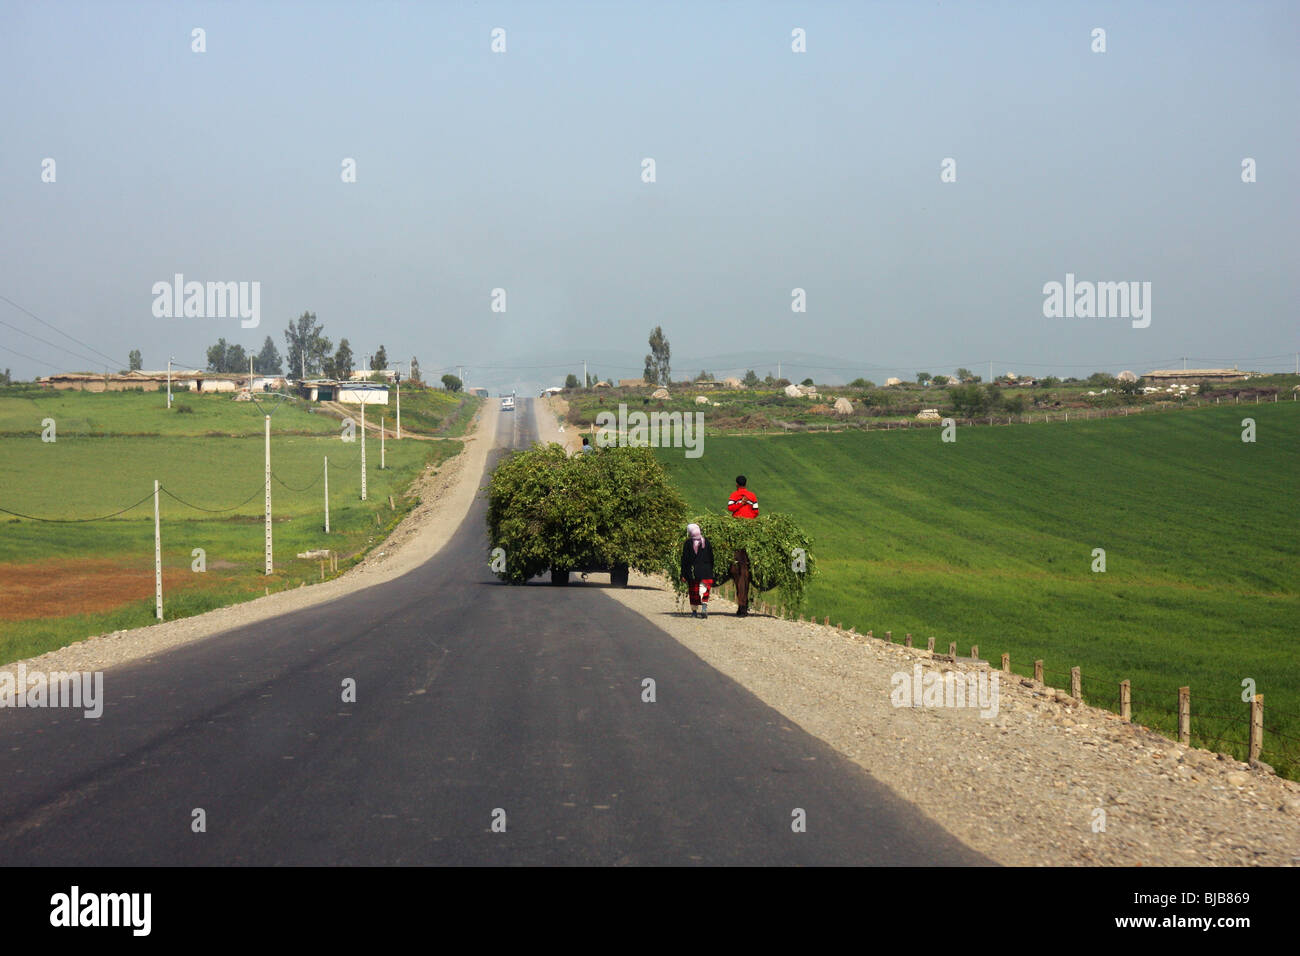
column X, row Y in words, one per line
column 775, row 170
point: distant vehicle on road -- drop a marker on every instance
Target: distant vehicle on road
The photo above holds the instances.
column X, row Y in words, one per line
column 508, row 403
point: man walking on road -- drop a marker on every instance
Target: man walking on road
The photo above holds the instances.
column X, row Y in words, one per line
column 743, row 503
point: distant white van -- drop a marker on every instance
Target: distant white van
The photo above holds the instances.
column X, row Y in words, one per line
column 508, row 403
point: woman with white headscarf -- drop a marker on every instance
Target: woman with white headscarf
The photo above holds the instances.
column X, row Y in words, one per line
column 697, row 569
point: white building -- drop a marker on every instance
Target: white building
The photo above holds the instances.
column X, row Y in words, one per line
column 362, row 393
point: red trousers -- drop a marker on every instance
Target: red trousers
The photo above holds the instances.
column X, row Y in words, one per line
column 700, row 591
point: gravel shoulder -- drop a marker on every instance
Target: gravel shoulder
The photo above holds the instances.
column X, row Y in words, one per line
column 445, row 492
column 1023, row 785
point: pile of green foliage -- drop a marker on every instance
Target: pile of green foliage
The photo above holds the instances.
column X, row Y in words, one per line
column 780, row 553
column 549, row 511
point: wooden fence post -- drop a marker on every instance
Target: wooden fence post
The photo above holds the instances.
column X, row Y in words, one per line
column 1038, row 671
column 1006, row 663
column 1076, row 683
column 1184, row 715
column 870, row 635
column 889, row 636
column 1125, row 700
column 1256, row 725
column 975, row 652
column 907, row 641
column 952, row 650
column 929, row 644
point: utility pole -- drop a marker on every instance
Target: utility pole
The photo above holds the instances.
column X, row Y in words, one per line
column 363, row 446
column 170, row 359
column 268, row 494
column 990, row 371
column 584, row 373
column 399, row 398
column 157, row 555
column 382, row 459
column 327, row 494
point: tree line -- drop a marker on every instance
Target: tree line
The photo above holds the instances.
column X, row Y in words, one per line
column 308, row 352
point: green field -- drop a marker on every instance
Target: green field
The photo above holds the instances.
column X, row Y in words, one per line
column 84, row 414
column 989, row 541
column 66, row 579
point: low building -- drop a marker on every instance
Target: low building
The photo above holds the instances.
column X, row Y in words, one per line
column 361, row 393
column 1194, row 375
column 181, row 380
column 364, row 374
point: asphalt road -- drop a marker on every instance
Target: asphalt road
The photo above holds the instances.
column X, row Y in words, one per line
column 472, row 697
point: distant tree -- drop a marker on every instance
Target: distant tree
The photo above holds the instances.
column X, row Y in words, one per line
column 1050, row 381
column 1128, row 388
column 340, row 366
column 415, row 370
column 379, row 361
column 1015, row 404
column 134, row 362
column 940, row 380
column 217, row 356
column 451, row 383
column 768, row 379
column 657, row 368
column 751, row 378
column 705, row 376
column 862, row 383
column 571, row 381
column 1205, row 388
column 923, row 377
column 1101, row 378
column 592, row 379
column 308, row 346
column 781, row 382
column 964, row 375
column 807, row 381
column 236, row 359
column 267, row 361
column 5, row 379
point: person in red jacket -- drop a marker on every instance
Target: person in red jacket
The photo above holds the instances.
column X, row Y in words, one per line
column 743, row 503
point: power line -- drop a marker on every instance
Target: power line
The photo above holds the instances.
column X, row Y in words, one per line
column 59, row 330
column 52, row 345
column 80, row 520
column 31, row 359
column 260, row 490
